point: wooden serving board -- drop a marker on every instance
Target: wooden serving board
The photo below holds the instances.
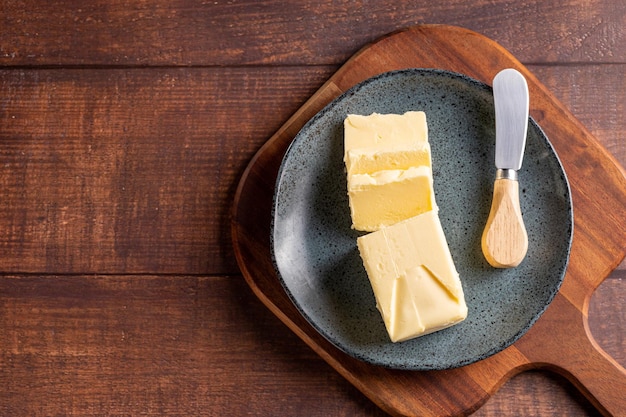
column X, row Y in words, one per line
column 560, row 339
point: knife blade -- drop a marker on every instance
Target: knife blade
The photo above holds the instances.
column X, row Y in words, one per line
column 510, row 95
column 505, row 241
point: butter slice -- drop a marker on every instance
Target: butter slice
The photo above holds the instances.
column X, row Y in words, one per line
column 387, row 197
column 415, row 282
column 388, row 164
column 385, row 131
column 385, row 141
column 365, row 160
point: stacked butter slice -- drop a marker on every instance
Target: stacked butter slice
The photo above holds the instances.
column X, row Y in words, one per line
column 391, row 194
column 388, row 162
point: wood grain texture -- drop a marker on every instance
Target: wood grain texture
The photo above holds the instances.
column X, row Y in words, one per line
column 131, row 170
column 597, row 95
column 505, row 241
column 161, row 32
column 138, row 151
column 154, row 346
column 124, row 129
column 93, row 345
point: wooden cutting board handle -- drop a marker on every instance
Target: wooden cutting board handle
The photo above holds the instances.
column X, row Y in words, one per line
column 564, row 344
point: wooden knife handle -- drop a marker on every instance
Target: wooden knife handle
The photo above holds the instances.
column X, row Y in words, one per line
column 505, row 241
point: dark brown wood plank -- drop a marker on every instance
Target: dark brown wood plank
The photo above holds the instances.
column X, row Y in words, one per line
column 204, row 346
column 134, row 170
column 155, row 346
column 159, row 32
column 596, row 96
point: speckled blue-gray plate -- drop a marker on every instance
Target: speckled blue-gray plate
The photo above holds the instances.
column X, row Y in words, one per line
column 314, row 248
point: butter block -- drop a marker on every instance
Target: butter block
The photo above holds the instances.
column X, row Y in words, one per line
column 411, row 271
column 388, row 164
column 386, row 197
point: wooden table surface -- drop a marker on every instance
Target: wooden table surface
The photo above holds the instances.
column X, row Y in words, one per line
column 124, row 130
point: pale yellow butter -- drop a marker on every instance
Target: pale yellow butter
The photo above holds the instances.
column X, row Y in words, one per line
column 391, row 193
column 415, row 282
column 386, row 197
column 383, row 153
column 385, row 141
column 365, row 160
column 385, row 131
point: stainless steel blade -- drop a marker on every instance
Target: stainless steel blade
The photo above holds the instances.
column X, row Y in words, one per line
column 510, row 93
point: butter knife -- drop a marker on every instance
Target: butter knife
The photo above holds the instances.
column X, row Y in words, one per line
column 505, row 241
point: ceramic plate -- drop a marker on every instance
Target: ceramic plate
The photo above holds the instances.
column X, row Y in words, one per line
column 314, row 247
